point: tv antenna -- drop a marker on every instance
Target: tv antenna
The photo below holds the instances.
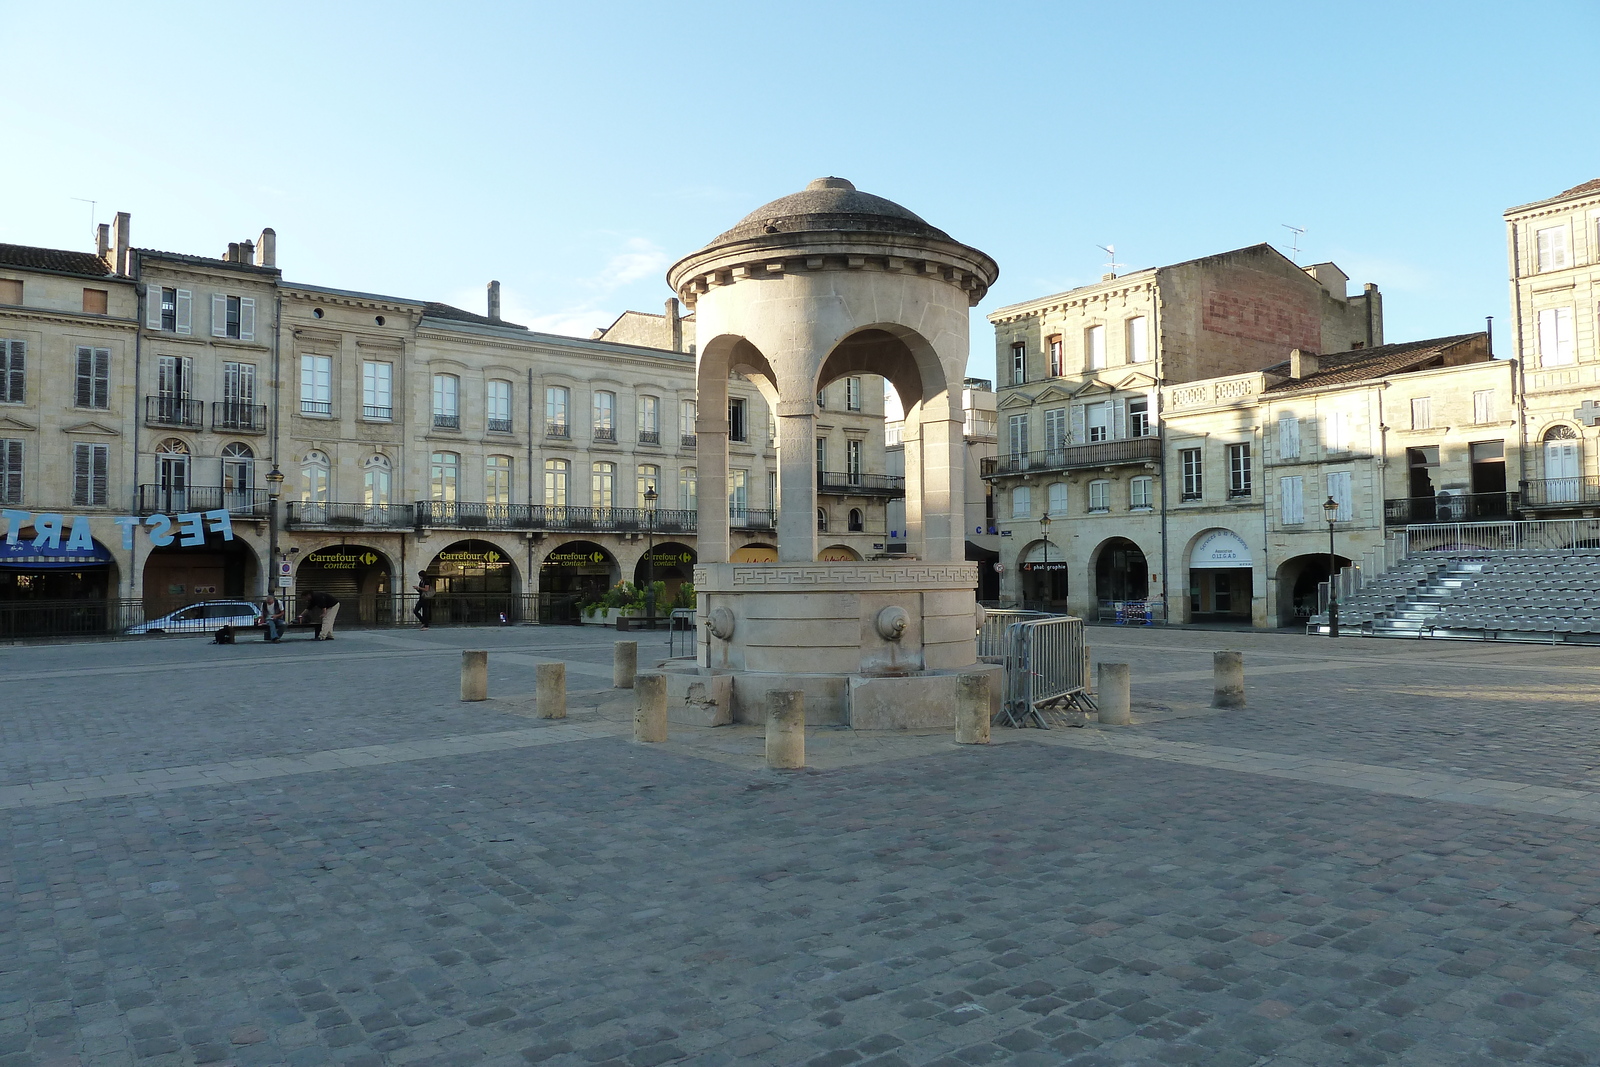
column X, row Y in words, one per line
column 1111, row 263
column 92, row 204
column 1294, row 242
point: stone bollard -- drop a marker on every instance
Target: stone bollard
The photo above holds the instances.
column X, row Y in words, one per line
column 474, row 675
column 650, row 717
column 972, row 709
column 786, row 729
column 552, row 690
column 1114, row 694
column 624, row 664
column 1228, row 669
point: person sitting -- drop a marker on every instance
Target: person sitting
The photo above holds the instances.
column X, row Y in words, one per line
column 224, row 635
column 272, row 613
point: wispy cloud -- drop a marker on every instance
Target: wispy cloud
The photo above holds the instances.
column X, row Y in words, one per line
column 640, row 258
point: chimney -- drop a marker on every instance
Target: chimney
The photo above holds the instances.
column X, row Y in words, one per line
column 494, row 301
column 102, row 240
column 1302, row 363
column 247, row 251
column 119, row 242
column 232, row 254
column 674, row 324
column 267, row 248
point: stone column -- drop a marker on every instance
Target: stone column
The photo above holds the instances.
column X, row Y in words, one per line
column 1228, row 679
column 650, row 717
column 797, row 481
column 711, row 489
column 943, row 486
column 474, row 675
column 911, row 440
column 624, row 664
column 1115, row 694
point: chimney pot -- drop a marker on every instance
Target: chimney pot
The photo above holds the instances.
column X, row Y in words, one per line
column 120, row 237
column 247, row 251
column 102, row 240
column 1302, row 363
column 267, row 248
column 494, row 301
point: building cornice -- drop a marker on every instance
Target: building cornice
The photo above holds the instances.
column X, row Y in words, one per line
column 1121, row 286
column 56, row 315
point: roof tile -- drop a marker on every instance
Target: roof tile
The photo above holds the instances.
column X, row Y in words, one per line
column 57, row 259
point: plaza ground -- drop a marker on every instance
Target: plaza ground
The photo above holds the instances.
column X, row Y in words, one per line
column 315, row 854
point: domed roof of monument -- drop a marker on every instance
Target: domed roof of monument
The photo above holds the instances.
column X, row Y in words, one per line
column 829, row 204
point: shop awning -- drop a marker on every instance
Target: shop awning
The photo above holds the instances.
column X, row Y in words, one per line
column 22, row 556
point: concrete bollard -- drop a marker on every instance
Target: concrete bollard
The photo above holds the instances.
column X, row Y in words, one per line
column 474, row 675
column 624, row 664
column 650, row 717
column 972, row 709
column 786, row 729
column 1228, row 669
column 1114, row 695
column 551, row 693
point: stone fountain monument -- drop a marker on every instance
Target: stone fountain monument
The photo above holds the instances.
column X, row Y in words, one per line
column 815, row 286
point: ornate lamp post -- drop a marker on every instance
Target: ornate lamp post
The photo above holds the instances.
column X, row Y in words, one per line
column 1330, row 508
column 1044, row 531
column 274, row 491
column 650, row 497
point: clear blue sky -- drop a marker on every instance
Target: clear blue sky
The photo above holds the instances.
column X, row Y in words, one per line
column 574, row 150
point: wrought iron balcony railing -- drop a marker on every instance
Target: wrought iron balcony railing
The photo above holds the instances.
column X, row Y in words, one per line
column 499, row 425
column 237, row 416
column 442, row 421
column 174, row 411
column 1560, row 492
column 1072, row 457
column 854, row 483
column 301, row 513
column 649, row 437
column 1449, row 507
column 170, row 500
column 605, row 433
column 460, row 514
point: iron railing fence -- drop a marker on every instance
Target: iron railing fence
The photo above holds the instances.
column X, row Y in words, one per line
column 1453, row 507
column 855, row 482
column 468, row 514
column 248, row 503
column 369, row 516
column 239, row 416
column 992, row 631
column 174, row 411
column 1529, row 535
column 1046, row 667
column 1133, row 612
column 1560, row 492
column 1072, row 457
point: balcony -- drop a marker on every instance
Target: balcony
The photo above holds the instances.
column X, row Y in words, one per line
column 1454, row 507
column 170, row 500
column 442, row 421
column 1561, row 493
column 300, row 514
column 499, row 425
column 853, row 483
column 174, row 411
column 649, row 437
column 605, row 433
column 377, row 412
column 547, row 517
column 1133, row 450
column 237, row 416
column 687, row 440
column 981, row 426
column 752, row 519
column 558, row 430
column 320, row 408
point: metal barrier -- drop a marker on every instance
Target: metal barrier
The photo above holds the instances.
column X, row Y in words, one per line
column 682, row 622
column 992, row 634
column 1046, row 671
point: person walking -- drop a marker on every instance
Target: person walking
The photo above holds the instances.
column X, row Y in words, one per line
column 329, row 606
column 272, row 613
column 424, row 609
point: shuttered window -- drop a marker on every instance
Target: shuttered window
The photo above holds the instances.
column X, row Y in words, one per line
column 10, row 471
column 1556, row 348
column 1288, row 437
column 1055, row 429
column 233, row 316
column 94, row 378
column 13, row 379
column 1339, row 489
column 89, row 463
column 1291, row 500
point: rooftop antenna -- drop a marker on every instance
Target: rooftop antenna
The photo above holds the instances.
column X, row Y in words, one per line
column 1111, row 264
column 1294, row 245
column 92, row 204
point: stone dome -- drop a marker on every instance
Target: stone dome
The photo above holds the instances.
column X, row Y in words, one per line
column 829, row 205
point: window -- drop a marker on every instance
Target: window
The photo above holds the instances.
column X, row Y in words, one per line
column 238, row 475
column 375, row 481
column 738, row 494
column 1019, row 363
column 1055, row 429
column 1139, row 416
column 174, row 375
column 10, row 470
column 94, row 378
column 1017, row 435
column 1337, row 431
column 1555, row 337
column 822, row 456
column 1055, row 356
column 852, row 394
column 822, row 520
column 233, row 316
column 1193, row 479
column 1055, row 504
column 649, row 420
column 1099, row 495
column 168, row 309
column 772, row 490
column 1138, row 339
column 556, row 472
column 11, row 291
column 172, row 473
column 822, row 398
column 316, row 385
column 1339, row 489
column 857, row 522
column 1288, row 437
column 1240, row 476
column 1099, row 419
column 95, row 301
column 1141, row 493
column 736, row 427
column 603, row 485
column 446, row 402
column 604, row 416
column 557, row 407
column 497, row 480
column 377, row 390
column 1551, row 244
column 1021, row 502
column 499, row 405
column 1094, row 346
column 444, row 477
column 314, row 471
column 239, row 399
column 649, row 477
column 89, row 464
column 1421, row 413
column 688, row 490
column 13, row 368
column 852, row 462
column 1291, row 500
column 1483, row 406
column 687, row 413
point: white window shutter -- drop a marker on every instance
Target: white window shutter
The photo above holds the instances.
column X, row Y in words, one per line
column 1078, row 431
column 186, row 370
column 152, row 307
column 185, row 306
column 247, row 319
column 1119, row 418
column 219, row 315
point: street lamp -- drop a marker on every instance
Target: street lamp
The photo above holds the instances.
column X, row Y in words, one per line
column 650, row 497
column 274, row 491
column 1044, row 531
column 1330, row 508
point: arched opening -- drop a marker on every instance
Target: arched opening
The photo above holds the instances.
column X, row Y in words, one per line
column 1121, row 579
column 1298, row 578
column 574, row 573
column 1044, row 577
column 838, row 554
column 172, row 477
column 673, row 564
column 1563, row 465
column 55, row 590
column 475, row 584
column 857, row 522
column 988, row 562
column 1221, row 577
column 360, row 577
column 238, row 477
column 175, row 576
column 755, row 552
column 822, row 520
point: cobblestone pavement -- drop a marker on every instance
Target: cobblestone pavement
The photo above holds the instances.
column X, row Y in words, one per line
column 589, row 901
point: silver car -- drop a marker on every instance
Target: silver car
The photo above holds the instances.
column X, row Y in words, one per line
column 204, row 617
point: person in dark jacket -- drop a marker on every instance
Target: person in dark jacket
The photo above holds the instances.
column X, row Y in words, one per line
column 328, row 604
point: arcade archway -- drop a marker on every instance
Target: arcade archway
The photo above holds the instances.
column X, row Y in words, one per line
column 838, row 554
column 672, row 564
column 1121, row 572
column 1044, row 577
column 1298, row 578
column 756, row 552
column 359, row 576
column 45, row 590
column 175, row 576
column 574, row 573
column 1221, row 577
column 475, row 584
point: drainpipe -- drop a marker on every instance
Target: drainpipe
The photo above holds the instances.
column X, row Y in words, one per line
column 1519, row 380
column 141, row 300
column 1161, row 437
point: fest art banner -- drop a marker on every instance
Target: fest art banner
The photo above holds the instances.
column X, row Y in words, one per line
column 188, row 529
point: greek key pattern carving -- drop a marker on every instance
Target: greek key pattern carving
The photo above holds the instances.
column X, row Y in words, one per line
column 907, row 576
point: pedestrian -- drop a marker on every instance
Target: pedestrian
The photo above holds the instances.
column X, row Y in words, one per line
column 424, row 609
column 328, row 604
column 272, row 613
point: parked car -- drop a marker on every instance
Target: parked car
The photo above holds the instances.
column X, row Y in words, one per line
column 204, row 617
